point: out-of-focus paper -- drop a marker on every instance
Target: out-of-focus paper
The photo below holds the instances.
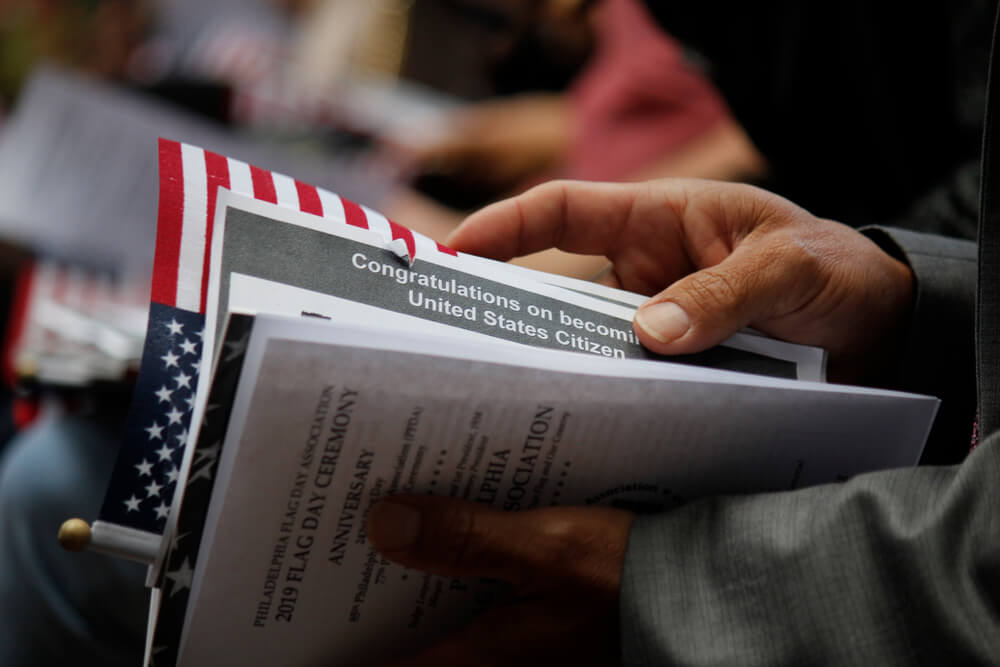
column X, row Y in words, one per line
column 328, row 419
column 78, row 168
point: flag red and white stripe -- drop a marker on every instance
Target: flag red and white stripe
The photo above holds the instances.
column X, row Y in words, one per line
column 189, row 181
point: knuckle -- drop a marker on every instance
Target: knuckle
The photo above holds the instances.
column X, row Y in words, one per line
column 561, row 534
column 711, row 289
column 551, row 189
column 577, row 550
column 565, row 539
column 801, row 259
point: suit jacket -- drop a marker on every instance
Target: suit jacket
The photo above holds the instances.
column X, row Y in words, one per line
column 892, row 568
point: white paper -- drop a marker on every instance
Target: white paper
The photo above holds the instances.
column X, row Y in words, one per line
column 285, row 575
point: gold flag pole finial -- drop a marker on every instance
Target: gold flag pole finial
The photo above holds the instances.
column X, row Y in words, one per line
column 74, row 535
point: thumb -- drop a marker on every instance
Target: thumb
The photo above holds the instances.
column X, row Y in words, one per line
column 464, row 539
column 706, row 307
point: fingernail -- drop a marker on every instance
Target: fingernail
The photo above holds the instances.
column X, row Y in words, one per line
column 393, row 526
column 665, row 321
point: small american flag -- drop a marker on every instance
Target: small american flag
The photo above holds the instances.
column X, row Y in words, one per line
column 156, row 431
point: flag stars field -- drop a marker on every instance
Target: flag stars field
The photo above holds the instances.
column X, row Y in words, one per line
column 132, row 504
column 183, row 380
column 170, row 359
column 174, row 416
column 165, row 395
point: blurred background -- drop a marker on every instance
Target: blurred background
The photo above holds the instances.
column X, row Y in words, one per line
column 422, row 109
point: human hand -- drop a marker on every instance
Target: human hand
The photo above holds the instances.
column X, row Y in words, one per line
column 717, row 257
column 495, row 145
column 564, row 564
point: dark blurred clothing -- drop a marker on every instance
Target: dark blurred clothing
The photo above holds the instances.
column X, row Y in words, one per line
column 859, row 107
column 60, row 607
column 491, row 48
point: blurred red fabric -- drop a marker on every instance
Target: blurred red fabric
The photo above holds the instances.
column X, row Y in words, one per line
column 638, row 99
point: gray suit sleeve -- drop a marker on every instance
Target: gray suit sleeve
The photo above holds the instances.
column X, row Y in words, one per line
column 936, row 353
column 892, row 568
column 897, row 567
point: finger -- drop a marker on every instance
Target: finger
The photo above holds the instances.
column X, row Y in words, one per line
column 443, row 157
column 757, row 282
column 459, row 538
column 574, row 216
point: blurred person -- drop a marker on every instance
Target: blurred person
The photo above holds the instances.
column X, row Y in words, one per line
column 58, row 607
column 643, row 109
column 494, row 47
column 842, row 119
column 638, row 106
column 638, row 109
